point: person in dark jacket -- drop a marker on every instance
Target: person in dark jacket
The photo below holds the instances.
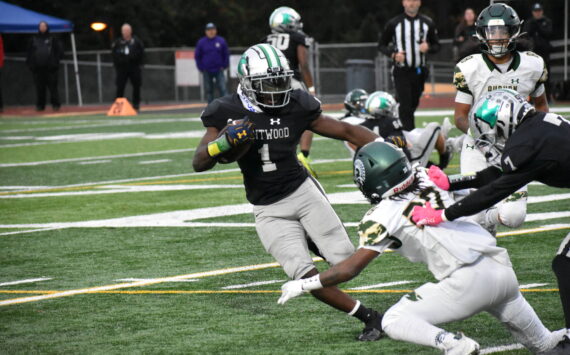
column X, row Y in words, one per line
column 44, row 54
column 539, row 30
column 128, row 55
column 212, row 58
column 464, row 40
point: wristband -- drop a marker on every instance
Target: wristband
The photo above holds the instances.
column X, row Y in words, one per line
column 218, row 146
column 312, row 283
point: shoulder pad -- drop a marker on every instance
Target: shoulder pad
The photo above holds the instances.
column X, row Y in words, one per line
column 306, row 101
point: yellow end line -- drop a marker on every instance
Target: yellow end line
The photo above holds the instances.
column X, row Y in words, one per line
column 208, row 292
column 530, row 231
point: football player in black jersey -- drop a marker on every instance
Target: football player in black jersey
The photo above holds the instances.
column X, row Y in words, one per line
column 287, row 35
column 522, row 145
column 379, row 113
column 290, row 208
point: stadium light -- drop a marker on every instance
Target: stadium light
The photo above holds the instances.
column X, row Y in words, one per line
column 98, row 26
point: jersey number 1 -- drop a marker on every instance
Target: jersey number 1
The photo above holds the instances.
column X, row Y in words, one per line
column 268, row 165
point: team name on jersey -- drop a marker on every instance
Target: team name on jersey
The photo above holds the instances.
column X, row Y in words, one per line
column 497, row 87
column 272, row 133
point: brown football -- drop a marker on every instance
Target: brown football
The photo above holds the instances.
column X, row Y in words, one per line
column 236, row 152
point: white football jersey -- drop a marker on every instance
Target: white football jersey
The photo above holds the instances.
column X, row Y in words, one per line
column 476, row 75
column 443, row 249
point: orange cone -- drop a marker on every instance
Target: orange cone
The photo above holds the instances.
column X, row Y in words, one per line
column 121, row 107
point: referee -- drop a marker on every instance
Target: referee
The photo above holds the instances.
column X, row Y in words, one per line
column 406, row 40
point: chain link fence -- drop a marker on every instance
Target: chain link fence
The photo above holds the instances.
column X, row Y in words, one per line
column 337, row 68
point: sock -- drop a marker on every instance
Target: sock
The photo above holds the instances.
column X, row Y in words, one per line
column 364, row 314
column 561, row 268
column 305, row 153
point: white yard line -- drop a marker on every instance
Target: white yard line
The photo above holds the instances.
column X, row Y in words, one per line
column 29, row 231
column 27, row 281
column 531, row 217
column 134, row 279
column 259, row 283
column 92, row 162
column 139, row 283
column 159, row 161
column 385, row 284
column 501, row 348
column 132, row 122
column 70, row 160
column 531, row 285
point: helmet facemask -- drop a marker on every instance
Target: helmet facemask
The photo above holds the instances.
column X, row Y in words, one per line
column 272, row 90
column 498, row 40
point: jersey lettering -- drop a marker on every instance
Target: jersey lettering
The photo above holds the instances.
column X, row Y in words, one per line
column 271, row 133
column 279, row 41
column 428, row 194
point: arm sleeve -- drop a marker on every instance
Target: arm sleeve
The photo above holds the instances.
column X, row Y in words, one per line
column 384, row 44
column 481, row 178
column 433, row 39
column 495, row 191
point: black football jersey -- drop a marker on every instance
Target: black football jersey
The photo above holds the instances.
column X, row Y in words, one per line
column 385, row 126
column 270, row 167
column 287, row 43
column 541, row 137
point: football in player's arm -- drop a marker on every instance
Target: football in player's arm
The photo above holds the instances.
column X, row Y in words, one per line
column 474, row 274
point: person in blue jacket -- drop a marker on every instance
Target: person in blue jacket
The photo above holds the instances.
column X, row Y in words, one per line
column 212, row 58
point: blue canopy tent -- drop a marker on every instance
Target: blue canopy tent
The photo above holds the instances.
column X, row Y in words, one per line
column 15, row 19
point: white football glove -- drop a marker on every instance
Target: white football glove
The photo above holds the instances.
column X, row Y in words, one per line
column 290, row 290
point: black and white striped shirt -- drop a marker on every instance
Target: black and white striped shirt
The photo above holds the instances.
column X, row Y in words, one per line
column 405, row 34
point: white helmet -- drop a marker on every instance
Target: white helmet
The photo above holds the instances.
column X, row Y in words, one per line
column 380, row 104
column 285, row 19
column 494, row 118
column 265, row 76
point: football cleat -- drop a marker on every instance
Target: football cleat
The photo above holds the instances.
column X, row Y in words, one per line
column 462, row 345
column 306, row 161
column 562, row 348
column 372, row 330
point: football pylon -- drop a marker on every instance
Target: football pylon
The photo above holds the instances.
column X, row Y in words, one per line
column 121, row 107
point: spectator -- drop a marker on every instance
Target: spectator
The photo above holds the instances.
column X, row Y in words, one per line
column 212, row 58
column 539, row 30
column 1, row 66
column 464, row 41
column 408, row 52
column 128, row 54
column 44, row 54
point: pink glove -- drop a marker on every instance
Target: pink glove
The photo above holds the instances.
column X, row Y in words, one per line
column 427, row 215
column 438, row 177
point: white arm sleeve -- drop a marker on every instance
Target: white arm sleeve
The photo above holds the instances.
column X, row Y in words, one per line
column 463, row 98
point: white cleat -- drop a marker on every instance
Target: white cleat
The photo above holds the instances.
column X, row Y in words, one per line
column 446, row 126
column 462, row 345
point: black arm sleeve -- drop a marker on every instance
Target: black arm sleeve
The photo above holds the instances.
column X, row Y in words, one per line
column 495, row 191
column 433, row 39
column 384, row 45
column 481, row 178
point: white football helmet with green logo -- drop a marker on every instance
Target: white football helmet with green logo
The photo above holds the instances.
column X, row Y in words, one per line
column 285, row 19
column 497, row 28
column 380, row 104
column 265, row 76
column 493, row 119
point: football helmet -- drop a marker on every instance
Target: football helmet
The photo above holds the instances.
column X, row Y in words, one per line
column 355, row 100
column 380, row 104
column 497, row 28
column 493, row 119
column 285, row 19
column 265, row 76
column 381, row 170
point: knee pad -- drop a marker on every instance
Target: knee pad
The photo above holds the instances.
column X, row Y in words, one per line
column 513, row 213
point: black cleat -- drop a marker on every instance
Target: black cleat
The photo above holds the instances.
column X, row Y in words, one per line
column 373, row 330
column 562, row 348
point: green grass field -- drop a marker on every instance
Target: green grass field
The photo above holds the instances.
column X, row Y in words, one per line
column 110, row 210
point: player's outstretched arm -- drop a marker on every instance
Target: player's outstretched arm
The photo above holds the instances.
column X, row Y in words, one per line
column 345, row 271
column 202, row 160
column 461, row 116
column 355, row 134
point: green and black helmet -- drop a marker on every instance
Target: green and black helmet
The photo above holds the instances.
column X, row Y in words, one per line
column 497, row 28
column 381, row 170
column 355, row 100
